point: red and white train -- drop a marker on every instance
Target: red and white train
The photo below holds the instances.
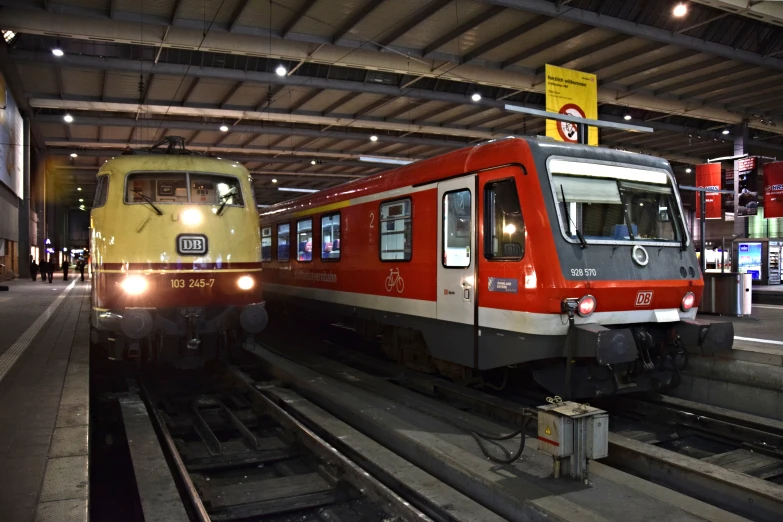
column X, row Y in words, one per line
column 475, row 259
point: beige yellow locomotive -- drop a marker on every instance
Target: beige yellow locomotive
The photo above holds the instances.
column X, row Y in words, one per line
column 176, row 256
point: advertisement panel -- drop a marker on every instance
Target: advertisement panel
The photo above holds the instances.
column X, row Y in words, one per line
column 708, row 177
column 746, row 198
column 749, row 259
column 10, row 143
column 574, row 93
column 773, row 190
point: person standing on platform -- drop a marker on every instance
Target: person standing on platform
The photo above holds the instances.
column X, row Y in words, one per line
column 44, row 269
column 66, row 264
column 80, row 267
column 50, row 269
column 33, row 269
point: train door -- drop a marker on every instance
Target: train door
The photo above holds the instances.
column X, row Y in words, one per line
column 456, row 250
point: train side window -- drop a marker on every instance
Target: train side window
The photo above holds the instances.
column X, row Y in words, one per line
column 304, row 240
column 330, row 237
column 457, row 226
column 266, row 244
column 504, row 227
column 101, row 192
column 395, row 229
column 283, row 243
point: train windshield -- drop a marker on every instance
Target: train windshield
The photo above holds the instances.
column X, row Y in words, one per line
column 183, row 187
column 609, row 203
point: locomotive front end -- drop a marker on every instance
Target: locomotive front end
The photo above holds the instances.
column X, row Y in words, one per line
column 176, row 267
column 630, row 282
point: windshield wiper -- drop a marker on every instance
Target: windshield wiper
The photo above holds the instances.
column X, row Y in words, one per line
column 224, row 200
column 568, row 218
column 149, row 201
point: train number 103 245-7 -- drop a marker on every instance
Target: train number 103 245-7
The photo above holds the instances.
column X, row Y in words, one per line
column 584, row 272
column 192, row 283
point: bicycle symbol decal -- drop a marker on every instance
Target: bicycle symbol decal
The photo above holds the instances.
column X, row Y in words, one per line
column 394, row 280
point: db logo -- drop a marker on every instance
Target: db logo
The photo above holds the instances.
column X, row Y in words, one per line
column 192, row 244
column 644, row 298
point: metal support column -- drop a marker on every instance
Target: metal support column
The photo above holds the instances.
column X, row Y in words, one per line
column 740, row 142
column 23, row 249
column 703, row 230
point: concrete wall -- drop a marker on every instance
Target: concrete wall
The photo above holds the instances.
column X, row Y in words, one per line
column 9, row 214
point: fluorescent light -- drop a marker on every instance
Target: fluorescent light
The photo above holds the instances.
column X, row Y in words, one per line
column 68, row 118
column 627, row 117
column 281, row 70
column 680, row 10
column 373, row 138
column 476, row 97
column 726, row 131
column 74, row 155
column 286, row 189
column 392, row 161
column 57, row 52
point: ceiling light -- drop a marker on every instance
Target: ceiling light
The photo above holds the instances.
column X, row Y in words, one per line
column 627, row 117
column 476, row 97
column 313, row 162
column 373, row 138
column 74, row 155
column 57, row 52
column 680, row 10
column 81, row 200
column 224, row 128
column 380, row 159
column 688, row 170
column 79, row 189
column 281, row 70
column 68, row 118
column 726, row 131
column 274, row 180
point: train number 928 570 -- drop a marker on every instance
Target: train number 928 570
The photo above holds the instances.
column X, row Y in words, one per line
column 192, row 283
column 584, row 272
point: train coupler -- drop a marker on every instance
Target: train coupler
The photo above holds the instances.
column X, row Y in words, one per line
column 193, row 342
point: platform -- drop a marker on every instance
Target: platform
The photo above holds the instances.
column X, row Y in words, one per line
column 44, row 401
column 768, row 294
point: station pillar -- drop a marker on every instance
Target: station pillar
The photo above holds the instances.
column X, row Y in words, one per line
column 740, row 148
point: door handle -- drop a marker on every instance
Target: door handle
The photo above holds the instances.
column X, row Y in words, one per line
column 466, row 294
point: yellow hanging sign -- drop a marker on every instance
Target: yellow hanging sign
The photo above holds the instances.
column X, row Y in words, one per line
column 574, row 93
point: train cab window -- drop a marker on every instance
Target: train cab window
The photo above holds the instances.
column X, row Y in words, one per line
column 330, row 237
column 304, row 240
column 395, row 229
column 101, row 192
column 215, row 190
column 457, row 227
column 283, row 243
column 158, row 187
column 504, row 228
column 266, row 244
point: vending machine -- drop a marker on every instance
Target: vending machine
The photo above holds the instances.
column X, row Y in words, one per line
column 773, row 262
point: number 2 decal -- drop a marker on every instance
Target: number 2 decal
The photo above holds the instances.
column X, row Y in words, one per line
column 372, row 219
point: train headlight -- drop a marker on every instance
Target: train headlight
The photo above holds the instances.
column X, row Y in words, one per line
column 586, row 306
column 191, row 216
column 688, row 301
column 134, row 285
column 245, row 283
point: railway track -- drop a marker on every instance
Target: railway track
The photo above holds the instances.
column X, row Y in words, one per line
column 728, row 459
column 236, row 455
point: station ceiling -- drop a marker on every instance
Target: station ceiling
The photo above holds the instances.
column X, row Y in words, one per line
column 135, row 71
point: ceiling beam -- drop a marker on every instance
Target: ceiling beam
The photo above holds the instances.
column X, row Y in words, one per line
column 545, row 45
column 753, row 89
column 241, row 8
column 297, row 17
column 414, row 19
column 494, row 43
column 462, row 29
column 583, row 52
column 716, row 87
column 647, row 66
column 693, row 82
column 354, row 20
column 602, row 21
column 634, row 54
column 687, row 69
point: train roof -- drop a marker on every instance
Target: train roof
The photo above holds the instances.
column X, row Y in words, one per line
column 468, row 159
column 121, row 165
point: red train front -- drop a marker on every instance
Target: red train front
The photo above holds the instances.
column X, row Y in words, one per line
column 490, row 256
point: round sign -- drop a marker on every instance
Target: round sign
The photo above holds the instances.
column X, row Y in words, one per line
column 568, row 131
